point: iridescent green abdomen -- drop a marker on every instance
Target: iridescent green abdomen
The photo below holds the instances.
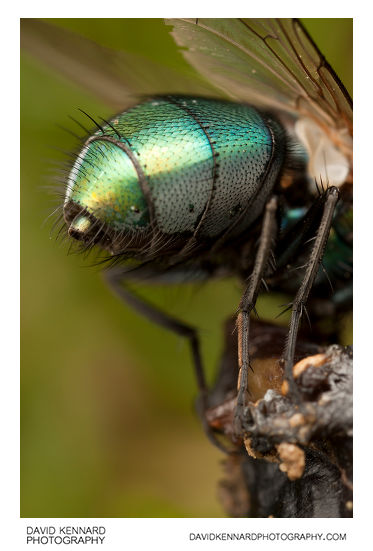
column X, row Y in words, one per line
column 105, row 182
column 181, row 165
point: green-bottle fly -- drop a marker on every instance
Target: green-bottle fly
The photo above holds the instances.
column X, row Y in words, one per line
column 247, row 173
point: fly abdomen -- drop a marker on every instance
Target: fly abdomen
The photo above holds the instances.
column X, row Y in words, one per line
column 246, row 160
column 181, row 165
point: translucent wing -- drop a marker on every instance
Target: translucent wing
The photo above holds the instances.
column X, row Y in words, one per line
column 266, row 62
column 271, row 63
column 117, row 77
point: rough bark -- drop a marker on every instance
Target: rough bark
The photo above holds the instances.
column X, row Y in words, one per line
column 293, row 459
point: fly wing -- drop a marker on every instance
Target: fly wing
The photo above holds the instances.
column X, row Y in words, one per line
column 115, row 76
column 271, row 63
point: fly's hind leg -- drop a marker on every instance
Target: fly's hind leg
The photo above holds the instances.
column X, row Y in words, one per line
column 330, row 200
column 115, row 278
column 247, row 304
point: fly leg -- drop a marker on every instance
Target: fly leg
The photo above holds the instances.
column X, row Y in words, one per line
column 247, row 304
column 115, row 278
column 331, row 199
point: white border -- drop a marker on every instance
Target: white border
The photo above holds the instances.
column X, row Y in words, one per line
column 164, row 533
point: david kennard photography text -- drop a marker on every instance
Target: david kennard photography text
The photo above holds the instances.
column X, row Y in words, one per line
column 65, row 534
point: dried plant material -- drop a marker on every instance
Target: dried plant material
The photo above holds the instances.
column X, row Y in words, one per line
column 296, row 455
column 232, row 490
column 292, row 460
column 302, row 365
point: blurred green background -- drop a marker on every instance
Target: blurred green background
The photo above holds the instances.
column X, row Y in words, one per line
column 107, row 423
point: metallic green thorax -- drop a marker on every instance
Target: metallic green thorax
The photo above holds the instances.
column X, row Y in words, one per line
column 186, row 164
